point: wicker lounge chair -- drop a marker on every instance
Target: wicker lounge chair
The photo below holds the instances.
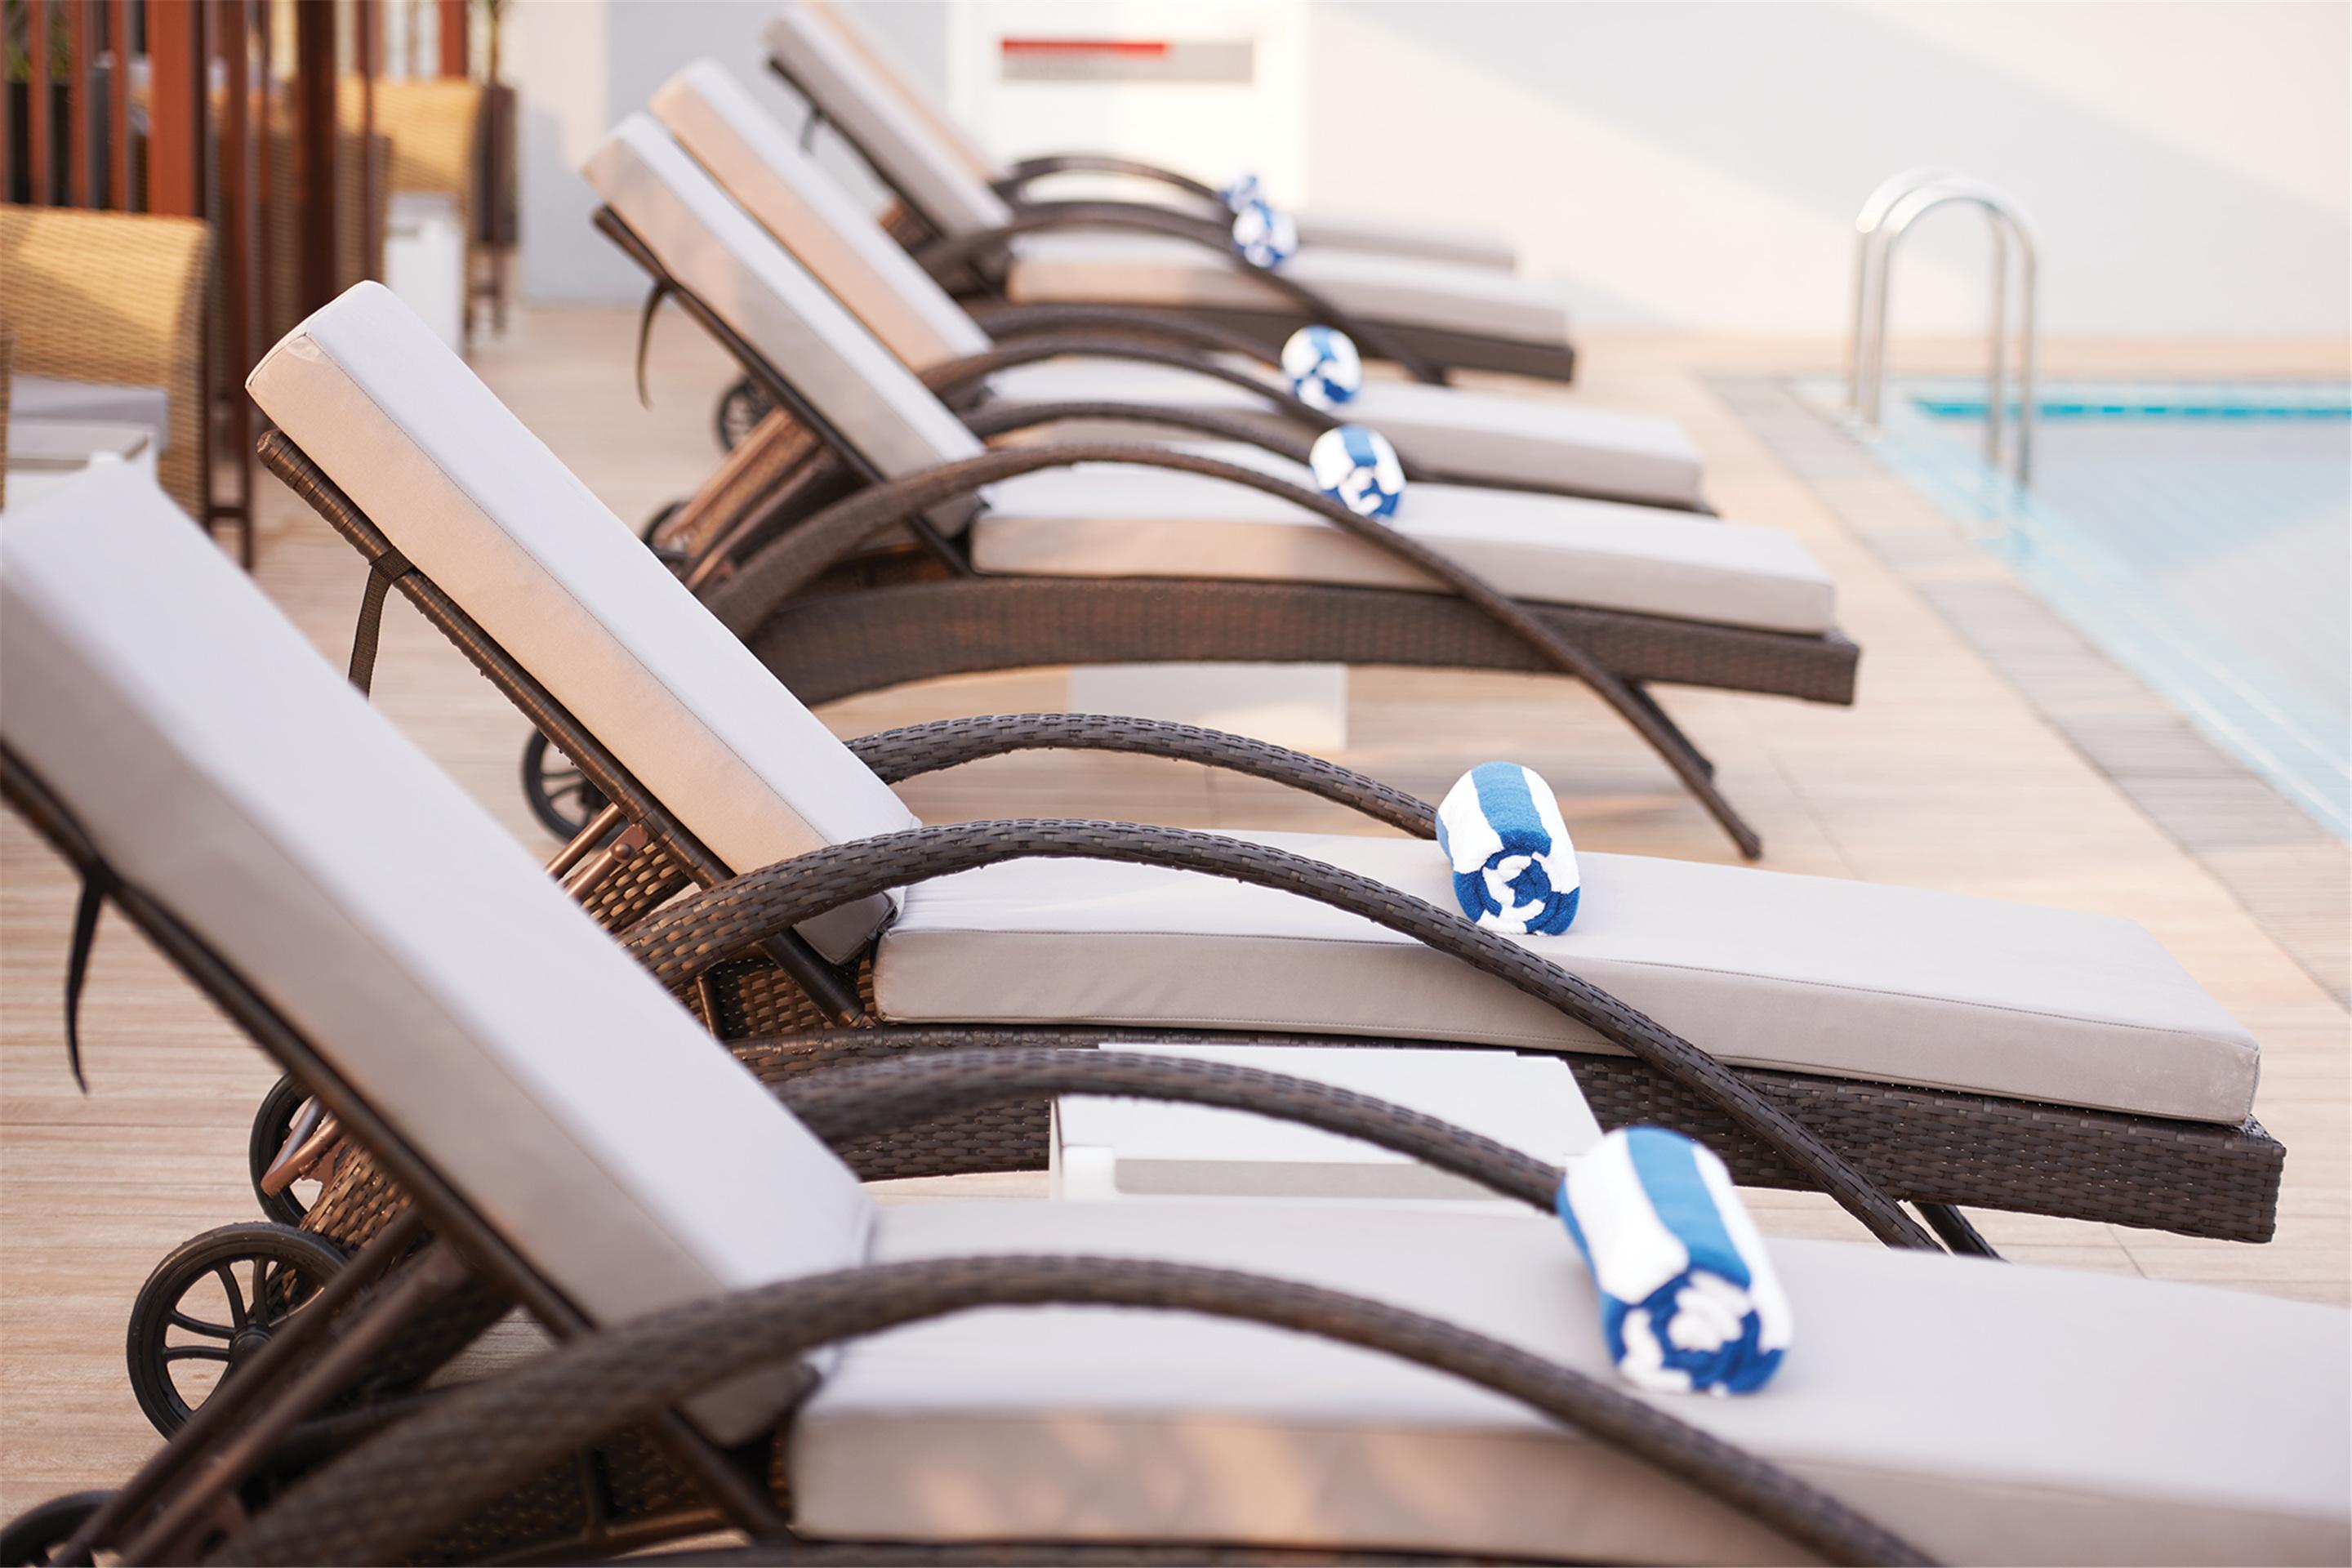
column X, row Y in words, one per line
column 573, row 1144
column 1072, row 357
column 1425, row 314
column 1063, row 554
column 1958, row 1051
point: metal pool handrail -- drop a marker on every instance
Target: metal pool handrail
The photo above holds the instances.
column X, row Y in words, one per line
column 1892, row 209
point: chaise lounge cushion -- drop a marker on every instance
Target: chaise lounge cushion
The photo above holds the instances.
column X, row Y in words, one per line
column 1106, row 520
column 224, row 770
column 1991, row 1413
column 1150, row 269
column 1513, row 440
column 485, row 510
column 1810, row 974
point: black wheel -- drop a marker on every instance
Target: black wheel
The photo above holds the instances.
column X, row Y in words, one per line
column 272, row 1123
column 652, row 523
column 210, row 1307
column 559, row 795
column 741, row 406
column 30, row 1537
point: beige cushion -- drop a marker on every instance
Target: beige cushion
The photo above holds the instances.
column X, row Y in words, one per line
column 713, row 248
column 226, row 770
column 1991, row 1413
column 1390, row 236
column 1099, row 519
column 716, row 119
column 485, row 510
column 1541, row 441
column 1126, row 268
column 906, row 150
column 1808, row 973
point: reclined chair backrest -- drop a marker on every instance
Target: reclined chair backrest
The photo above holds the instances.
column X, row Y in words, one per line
column 481, row 507
column 715, row 118
column 913, row 156
column 219, row 767
column 719, row 253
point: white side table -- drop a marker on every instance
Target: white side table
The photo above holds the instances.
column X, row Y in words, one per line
column 1129, row 1149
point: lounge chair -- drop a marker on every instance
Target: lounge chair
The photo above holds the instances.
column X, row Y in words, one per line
column 1958, row 1051
column 1426, row 315
column 574, row 1145
column 1166, row 188
column 1071, row 360
column 1063, row 556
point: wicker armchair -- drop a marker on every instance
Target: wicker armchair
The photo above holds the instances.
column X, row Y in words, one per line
column 116, row 297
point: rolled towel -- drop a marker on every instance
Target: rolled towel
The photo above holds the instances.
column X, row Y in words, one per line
column 1355, row 465
column 1324, row 368
column 1688, row 1300
column 1263, row 236
column 1241, row 191
column 1513, row 866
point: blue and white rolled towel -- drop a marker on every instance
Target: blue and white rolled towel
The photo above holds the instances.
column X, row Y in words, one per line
column 1514, row 866
column 1263, row 235
column 1688, row 1300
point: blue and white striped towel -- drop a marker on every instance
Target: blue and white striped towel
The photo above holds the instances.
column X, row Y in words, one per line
column 1514, row 867
column 1689, row 1298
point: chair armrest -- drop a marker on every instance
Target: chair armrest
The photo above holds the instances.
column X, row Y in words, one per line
column 946, row 258
column 696, row 934
column 394, row 1493
column 1005, row 321
column 1029, row 170
column 959, row 374
column 918, row 749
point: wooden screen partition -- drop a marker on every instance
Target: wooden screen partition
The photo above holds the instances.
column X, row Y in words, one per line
column 255, row 119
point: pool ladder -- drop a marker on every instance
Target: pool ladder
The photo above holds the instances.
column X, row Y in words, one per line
column 1898, row 203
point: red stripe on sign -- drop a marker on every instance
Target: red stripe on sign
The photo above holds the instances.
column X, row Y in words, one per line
column 1084, row 46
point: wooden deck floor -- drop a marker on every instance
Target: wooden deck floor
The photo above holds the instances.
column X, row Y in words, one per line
column 1943, row 775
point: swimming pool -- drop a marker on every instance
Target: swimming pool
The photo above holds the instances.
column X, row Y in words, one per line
column 2199, row 533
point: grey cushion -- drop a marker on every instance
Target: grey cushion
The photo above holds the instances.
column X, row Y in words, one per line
column 484, row 509
column 1540, row 441
column 710, row 246
column 47, row 399
column 1101, row 520
column 1991, row 1412
column 225, row 770
column 1814, row 974
column 1390, row 236
column 1493, row 438
column 1148, row 269
column 909, row 154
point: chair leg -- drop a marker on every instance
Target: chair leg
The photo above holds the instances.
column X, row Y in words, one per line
column 1650, row 705
column 1949, row 1224
column 1639, row 709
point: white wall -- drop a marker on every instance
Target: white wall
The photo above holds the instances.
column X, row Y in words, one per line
column 579, row 67
column 1683, row 167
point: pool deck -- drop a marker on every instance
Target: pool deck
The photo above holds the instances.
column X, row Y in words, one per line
column 1960, row 768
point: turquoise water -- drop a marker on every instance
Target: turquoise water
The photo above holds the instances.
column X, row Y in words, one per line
column 2201, row 534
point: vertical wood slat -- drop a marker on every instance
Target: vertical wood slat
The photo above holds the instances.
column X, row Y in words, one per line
column 265, row 168
column 77, row 106
column 233, row 23
column 367, row 18
column 450, row 16
column 118, row 105
column 314, row 155
column 175, row 100
column 36, row 104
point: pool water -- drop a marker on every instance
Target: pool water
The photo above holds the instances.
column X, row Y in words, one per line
column 2201, row 535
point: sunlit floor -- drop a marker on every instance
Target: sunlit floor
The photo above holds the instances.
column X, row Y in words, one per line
column 1942, row 776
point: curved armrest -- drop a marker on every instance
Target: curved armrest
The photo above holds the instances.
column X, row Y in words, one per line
column 484, row 1441
column 1005, row 321
column 956, row 376
column 1004, row 418
column 794, row 560
column 945, row 257
column 704, row 930
column 1029, row 170
column 918, row 749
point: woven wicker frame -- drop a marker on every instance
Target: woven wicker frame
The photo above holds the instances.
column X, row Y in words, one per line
column 1922, row 1145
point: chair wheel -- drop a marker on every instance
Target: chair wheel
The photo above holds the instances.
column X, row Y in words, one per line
column 653, row 524
column 27, row 1540
column 185, row 1337
column 741, row 406
column 271, row 1124
column 558, row 792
